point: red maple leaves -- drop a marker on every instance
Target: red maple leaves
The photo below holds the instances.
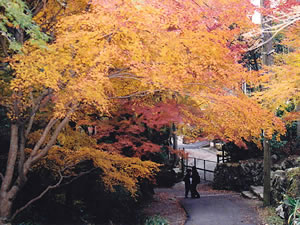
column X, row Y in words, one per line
column 135, row 129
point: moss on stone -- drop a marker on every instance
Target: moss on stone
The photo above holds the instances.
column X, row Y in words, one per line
column 293, row 176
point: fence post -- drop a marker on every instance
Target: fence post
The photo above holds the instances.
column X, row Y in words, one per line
column 195, row 162
column 223, row 155
column 182, row 165
column 204, row 170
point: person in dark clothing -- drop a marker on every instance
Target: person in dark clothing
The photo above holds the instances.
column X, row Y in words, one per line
column 195, row 182
column 187, row 181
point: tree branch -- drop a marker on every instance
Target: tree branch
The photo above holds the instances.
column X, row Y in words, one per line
column 39, row 196
column 4, row 46
column 51, row 187
column 124, row 75
column 43, row 137
column 137, row 94
column 35, row 107
column 270, row 39
column 78, row 176
column 54, row 136
column 22, row 154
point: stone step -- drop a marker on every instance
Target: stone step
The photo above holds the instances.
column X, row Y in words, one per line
column 248, row 194
column 258, row 191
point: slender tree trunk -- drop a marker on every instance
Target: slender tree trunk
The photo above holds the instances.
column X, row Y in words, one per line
column 267, row 173
column 174, row 137
column 267, row 59
column 298, row 122
column 6, row 198
column 175, row 144
column 5, row 210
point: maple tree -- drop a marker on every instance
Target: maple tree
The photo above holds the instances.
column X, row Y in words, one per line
column 281, row 82
column 116, row 170
column 137, row 129
column 129, row 49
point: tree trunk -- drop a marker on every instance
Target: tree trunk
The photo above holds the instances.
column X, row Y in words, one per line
column 5, row 209
column 7, row 197
column 298, row 121
column 267, row 60
column 174, row 137
column 267, row 173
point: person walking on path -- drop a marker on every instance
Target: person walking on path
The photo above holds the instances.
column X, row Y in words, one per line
column 195, row 182
column 187, row 181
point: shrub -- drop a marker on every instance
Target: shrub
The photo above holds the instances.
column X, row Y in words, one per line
column 156, row 220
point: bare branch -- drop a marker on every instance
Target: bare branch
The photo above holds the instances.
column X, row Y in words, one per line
column 52, row 187
column 282, row 19
column 35, row 107
column 39, row 6
column 124, row 75
column 44, row 135
column 22, row 154
column 136, row 94
column 54, row 136
column 78, row 176
column 263, row 43
column 39, row 196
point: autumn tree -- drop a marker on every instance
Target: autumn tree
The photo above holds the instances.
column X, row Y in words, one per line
column 130, row 49
column 137, row 129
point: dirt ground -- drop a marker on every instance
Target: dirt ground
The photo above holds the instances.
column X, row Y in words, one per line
column 167, row 206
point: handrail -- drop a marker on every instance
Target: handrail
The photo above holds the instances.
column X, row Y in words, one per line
column 202, row 159
column 186, row 165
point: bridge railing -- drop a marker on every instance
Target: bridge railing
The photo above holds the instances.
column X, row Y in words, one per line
column 205, row 167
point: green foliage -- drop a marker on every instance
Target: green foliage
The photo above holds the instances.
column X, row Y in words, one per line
column 16, row 15
column 275, row 143
column 294, row 204
column 156, row 220
column 293, row 177
column 289, row 142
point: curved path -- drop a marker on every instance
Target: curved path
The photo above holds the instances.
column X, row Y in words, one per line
column 215, row 207
column 219, row 209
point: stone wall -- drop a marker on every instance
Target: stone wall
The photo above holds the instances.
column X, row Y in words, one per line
column 286, row 179
column 238, row 176
column 285, row 182
column 285, row 176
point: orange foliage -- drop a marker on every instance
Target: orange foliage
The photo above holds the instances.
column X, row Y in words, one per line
column 232, row 118
column 76, row 147
column 124, row 49
column 281, row 86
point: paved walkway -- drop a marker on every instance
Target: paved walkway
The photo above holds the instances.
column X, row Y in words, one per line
column 223, row 209
column 215, row 207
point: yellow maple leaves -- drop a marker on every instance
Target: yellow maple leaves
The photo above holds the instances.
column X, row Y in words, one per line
column 126, row 49
column 114, row 169
column 282, row 83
